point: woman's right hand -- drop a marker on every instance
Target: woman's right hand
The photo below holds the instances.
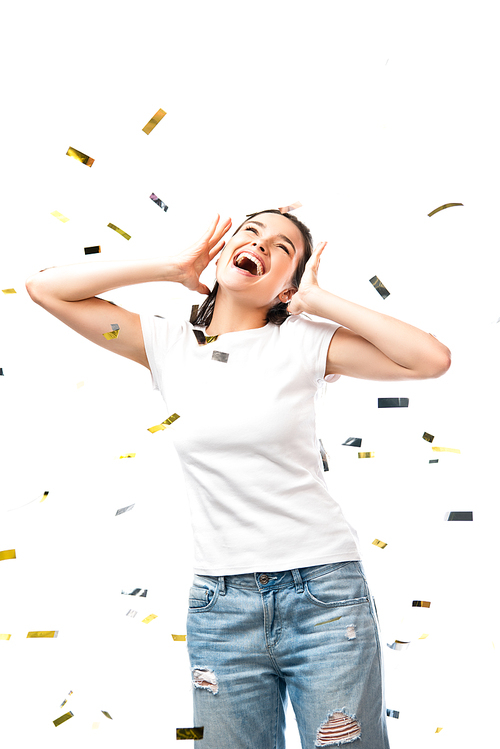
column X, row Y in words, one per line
column 193, row 261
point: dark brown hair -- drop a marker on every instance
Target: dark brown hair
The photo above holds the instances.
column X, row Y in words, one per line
column 278, row 313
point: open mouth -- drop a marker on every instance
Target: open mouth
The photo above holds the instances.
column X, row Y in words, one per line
column 249, row 263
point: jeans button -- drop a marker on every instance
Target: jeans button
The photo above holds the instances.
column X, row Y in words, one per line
column 264, row 579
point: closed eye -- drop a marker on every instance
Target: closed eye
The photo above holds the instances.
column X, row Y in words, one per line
column 251, row 228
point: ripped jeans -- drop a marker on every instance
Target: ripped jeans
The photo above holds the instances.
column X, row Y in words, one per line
column 310, row 634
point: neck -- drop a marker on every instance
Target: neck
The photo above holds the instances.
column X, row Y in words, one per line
column 230, row 317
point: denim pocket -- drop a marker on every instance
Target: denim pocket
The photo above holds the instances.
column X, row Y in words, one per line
column 342, row 586
column 203, row 593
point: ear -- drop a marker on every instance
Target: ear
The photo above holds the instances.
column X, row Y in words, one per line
column 287, row 294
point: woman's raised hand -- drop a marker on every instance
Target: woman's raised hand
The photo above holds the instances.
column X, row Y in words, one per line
column 193, row 261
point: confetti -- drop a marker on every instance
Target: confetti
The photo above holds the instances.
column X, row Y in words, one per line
column 220, row 356
column 120, row 231
column 194, row 313
column 63, row 718
column 130, row 455
column 393, row 713
column 106, row 714
column 111, row 335
column 426, row 604
column 1, row 372
column 79, row 156
column 328, row 621
column 92, row 250
column 458, row 516
column 179, row 638
column 59, row 216
column 399, row 645
column 446, row 450
column 427, row 436
column 292, row 207
column 43, row 633
column 393, row 402
column 200, row 337
column 154, row 121
column 136, row 591
column 131, row 613
column 124, row 509
column 167, row 422
column 159, row 202
column 423, row 637
column 438, row 730
column 80, row 384
column 9, row 291
column 379, row 543
column 324, row 456
column 95, row 725
column 366, row 455
column 9, row 554
column 442, row 207
column 65, row 701
column 189, row 733
column 434, row 461
column 149, row 618
column 353, row 442
column 5, row 637
column 377, row 283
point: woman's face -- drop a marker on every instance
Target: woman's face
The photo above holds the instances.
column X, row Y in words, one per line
column 277, row 243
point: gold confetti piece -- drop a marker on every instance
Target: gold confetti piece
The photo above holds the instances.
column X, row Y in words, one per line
column 289, row 208
column 149, row 618
column 120, row 231
column 154, row 121
column 79, row 156
column 45, row 495
column 111, row 335
column 130, row 455
column 5, row 637
column 446, row 450
column 393, row 402
column 442, row 207
column 379, row 543
column 63, row 718
column 95, row 725
column 124, row 509
column 106, row 714
column 427, row 436
column 59, row 216
column 423, row 637
column 9, row 554
column 80, row 384
column 426, row 604
column 167, row 422
column 63, row 703
column 438, row 730
column 366, row 455
column 159, row 202
column 177, row 638
column 9, row 291
column 44, row 633
column 328, row 621
column 92, row 250
column 353, row 442
column 377, row 283
column 189, row 733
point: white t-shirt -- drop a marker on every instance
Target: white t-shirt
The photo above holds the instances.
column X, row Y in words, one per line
column 246, row 440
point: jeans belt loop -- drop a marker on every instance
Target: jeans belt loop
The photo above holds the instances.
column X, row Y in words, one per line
column 222, row 586
column 299, row 585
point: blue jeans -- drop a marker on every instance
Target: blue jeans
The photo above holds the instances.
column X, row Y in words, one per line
column 310, row 634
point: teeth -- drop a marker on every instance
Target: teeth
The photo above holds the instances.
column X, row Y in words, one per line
column 260, row 268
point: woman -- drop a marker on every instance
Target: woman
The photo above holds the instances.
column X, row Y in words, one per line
column 279, row 604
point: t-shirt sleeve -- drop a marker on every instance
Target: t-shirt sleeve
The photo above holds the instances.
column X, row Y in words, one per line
column 159, row 334
column 314, row 339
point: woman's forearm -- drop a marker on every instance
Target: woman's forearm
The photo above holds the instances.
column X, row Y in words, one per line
column 72, row 283
column 406, row 345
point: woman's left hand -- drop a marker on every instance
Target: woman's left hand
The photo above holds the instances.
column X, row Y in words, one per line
column 308, row 282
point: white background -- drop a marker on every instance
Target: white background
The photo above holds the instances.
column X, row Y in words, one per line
column 372, row 114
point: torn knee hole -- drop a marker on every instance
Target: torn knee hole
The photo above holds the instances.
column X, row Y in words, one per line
column 338, row 729
column 203, row 678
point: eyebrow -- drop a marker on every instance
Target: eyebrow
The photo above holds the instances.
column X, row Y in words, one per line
column 279, row 236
